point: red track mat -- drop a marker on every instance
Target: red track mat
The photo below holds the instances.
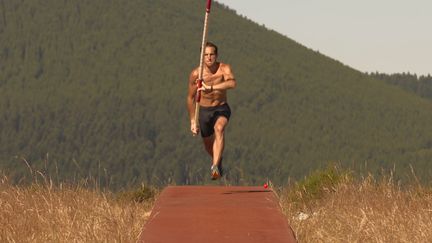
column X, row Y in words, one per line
column 207, row 214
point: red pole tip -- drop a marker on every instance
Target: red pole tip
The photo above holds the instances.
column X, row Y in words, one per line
column 208, row 6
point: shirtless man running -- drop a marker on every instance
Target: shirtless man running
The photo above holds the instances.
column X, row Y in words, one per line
column 214, row 110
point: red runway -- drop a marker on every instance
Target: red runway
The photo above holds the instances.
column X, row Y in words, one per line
column 207, row 214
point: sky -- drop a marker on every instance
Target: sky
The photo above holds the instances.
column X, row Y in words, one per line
column 388, row 36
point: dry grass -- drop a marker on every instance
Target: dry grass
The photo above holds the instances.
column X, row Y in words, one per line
column 326, row 207
column 365, row 211
column 44, row 213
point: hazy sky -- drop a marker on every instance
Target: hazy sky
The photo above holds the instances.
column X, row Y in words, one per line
column 390, row 36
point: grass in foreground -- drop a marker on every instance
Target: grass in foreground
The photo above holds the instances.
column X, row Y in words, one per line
column 44, row 213
column 327, row 206
column 330, row 206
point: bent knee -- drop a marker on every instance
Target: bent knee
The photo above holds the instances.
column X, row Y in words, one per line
column 219, row 128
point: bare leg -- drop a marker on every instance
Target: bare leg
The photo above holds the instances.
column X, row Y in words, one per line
column 208, row 144
column 219, row 139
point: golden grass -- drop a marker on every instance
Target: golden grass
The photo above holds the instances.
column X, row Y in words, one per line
column 365, row 211
column 44, row 213
column 339, row 210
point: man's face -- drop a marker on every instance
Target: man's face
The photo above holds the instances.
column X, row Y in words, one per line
column 209, row 56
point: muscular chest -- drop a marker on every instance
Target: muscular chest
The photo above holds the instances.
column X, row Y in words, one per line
column 212, row 79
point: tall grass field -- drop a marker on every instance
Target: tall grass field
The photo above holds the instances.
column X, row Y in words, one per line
column 331, row 206
column 327, row 206
column 42, row 212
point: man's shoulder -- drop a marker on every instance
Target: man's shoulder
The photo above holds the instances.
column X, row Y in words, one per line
column 224, row 66
column 195, row 71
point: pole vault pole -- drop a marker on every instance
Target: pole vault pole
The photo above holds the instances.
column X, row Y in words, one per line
column 201, row 64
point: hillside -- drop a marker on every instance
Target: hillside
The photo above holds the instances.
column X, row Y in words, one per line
column 97, row 89
column 422, row 85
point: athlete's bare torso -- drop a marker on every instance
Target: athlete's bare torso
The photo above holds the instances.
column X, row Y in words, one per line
column 221, row 74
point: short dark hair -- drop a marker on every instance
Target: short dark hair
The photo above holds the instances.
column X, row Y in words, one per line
column 209, row 44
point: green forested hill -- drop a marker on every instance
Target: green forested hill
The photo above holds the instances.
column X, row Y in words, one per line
column 422, row 85
column 97, row 88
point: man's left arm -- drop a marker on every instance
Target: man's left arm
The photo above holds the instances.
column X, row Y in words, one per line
column 228, row 83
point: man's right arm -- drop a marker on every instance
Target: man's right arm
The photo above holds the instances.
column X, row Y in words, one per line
column 192, row 89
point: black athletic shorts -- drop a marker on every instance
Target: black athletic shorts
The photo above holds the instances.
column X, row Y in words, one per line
column 208, row 117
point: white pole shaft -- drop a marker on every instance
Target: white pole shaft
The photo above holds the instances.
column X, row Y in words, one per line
column 201, row 65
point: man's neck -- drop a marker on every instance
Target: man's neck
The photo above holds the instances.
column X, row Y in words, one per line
column 213, row 68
